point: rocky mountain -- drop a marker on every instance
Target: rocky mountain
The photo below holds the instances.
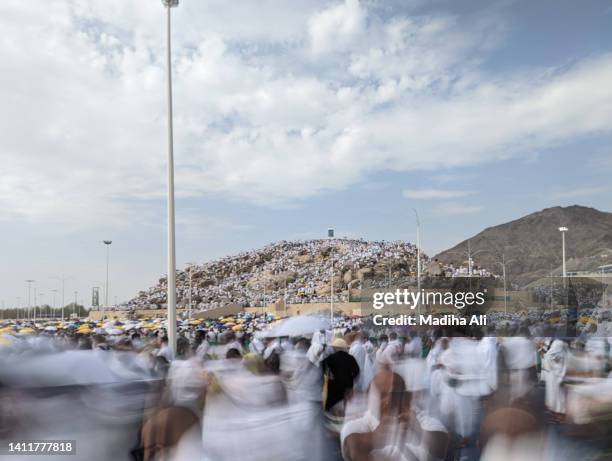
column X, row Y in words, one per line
column 532, row 244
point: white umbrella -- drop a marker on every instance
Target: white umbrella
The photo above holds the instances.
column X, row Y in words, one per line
column 50, row 328
column 302, row 325
column 114, row 331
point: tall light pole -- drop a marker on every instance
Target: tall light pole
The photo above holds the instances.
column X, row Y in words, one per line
column 503, row 263
column 418, row 243
column 29, row 282
column 563, row 230
column 190, row 269
column 41, row 296
column 63, row 280
column 171, row 278
column 54, row 293
column 107, row 243
column 552, row 287
column 263, row 302
column 35, row 304
column 330, row 236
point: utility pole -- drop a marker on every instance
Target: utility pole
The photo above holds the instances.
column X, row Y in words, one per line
column 418, row 243
column 54, row 306
column 107, row 243
column 29, row 310
column 171, row 278
column 330, row 236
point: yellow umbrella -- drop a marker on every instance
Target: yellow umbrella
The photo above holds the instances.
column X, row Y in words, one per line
column 25, row 331
column 237, row 327
column 6, row 330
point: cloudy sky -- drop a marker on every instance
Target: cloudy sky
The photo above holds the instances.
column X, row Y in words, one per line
column 290, row 116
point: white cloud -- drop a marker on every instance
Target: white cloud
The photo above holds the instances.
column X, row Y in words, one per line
column 334, row 28
column 257, row 117
column 434, row 193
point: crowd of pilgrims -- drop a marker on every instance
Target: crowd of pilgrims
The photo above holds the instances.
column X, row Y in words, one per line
column 587, row 295
column 294, row 271
column 518, row 390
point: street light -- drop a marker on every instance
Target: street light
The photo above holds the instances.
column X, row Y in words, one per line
column 35, row 304
column 108, row 244
column 330, row 236
column 503, row 263
column 263, row 302
column 190, row 269
column 418, row 243
column 171, row 278
column 40, row 296
column 63, row 280
column 563, row 230
column 29, row 309
column 54, row 291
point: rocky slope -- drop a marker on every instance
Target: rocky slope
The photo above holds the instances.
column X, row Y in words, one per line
column 532, row 244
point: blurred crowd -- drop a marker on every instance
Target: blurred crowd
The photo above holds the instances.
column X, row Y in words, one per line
column 258, row 387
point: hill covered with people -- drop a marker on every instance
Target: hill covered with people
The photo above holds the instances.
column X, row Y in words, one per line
column 296, row 271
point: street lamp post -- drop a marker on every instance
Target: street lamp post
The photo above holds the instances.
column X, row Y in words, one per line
column 190, row 288
column 563, row 230
column 503, row 263
column 552, row 286
column 418, row 243
column 54, row 293
column 29, row 282
column 63, row 280
column 169, row 4
column 263, row 302
column 35, row 304
column 330, row 235
column 40, row 296
column 107, row 243
column 189, row 297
